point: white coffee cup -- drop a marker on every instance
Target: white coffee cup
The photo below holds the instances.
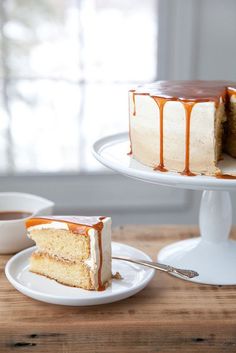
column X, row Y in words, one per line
column 13, row 235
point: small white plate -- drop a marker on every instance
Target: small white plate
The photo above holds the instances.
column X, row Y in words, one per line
column 135, row 278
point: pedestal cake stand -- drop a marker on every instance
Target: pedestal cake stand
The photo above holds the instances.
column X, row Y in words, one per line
column 213, row 254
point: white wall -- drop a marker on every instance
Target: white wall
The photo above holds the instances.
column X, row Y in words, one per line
column 197, row 39
column 216, row 47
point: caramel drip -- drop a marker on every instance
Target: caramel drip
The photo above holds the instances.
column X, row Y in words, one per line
column 225, row 176
column 188, row 106
column 161, row 102
column 134, row 103
column 101, row 287
column 134, row 93
column 188, row 109
column 133, row 113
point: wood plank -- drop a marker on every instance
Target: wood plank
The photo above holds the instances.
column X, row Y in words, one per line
column 170, row 315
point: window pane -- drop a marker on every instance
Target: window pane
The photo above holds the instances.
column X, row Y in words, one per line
column 105, row 113
column 120, row 40
column 5, row 137
column 41, row 38
column 65, row 68
column 45, row 125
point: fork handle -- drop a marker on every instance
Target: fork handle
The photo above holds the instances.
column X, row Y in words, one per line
column 161, row 267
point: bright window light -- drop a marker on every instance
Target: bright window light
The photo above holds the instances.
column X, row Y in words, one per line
column 65, row 69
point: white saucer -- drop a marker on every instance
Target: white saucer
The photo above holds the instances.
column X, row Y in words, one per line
column 135, row 278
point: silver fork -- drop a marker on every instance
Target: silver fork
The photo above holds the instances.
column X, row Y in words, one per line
column 161, row 267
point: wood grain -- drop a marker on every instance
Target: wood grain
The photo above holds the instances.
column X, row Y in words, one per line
column 170, row 315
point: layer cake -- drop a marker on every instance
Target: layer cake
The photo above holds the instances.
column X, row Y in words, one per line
column 183, row 126
column 73, row 250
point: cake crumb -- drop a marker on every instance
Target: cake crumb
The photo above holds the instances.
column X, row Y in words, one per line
column 117, row 275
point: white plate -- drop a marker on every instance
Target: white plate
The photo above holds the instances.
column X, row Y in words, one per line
column 135, row 278
column 112, row 152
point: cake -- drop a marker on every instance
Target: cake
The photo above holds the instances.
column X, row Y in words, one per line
column 184, row 126
column 73, row 250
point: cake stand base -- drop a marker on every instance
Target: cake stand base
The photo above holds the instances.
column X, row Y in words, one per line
column 212, row 255
column 215, row 263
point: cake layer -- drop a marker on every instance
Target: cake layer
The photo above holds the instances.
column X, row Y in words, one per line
column 62, row 243
column 69, row 273
column 180, row 125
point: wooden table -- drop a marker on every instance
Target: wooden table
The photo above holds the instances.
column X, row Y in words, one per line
column 170, row 315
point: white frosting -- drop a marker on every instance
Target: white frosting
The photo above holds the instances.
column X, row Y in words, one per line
column 106, row 250
column 145, row 136
column 52, row 225
column 94, row 260
column 233, row 98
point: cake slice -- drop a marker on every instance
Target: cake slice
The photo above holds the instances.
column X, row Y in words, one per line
column 184, row 126
column 73, row 250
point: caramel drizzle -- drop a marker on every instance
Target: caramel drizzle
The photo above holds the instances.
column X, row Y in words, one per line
column 161, row 102
column 101, row 286
column 134, row 93
column 134, row 114
column 81, row 229
column 188, row 106
column 99, row 225
column 188, row 109
column 225, row 176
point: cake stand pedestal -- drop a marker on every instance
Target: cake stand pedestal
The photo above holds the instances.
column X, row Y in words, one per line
column 213, row 254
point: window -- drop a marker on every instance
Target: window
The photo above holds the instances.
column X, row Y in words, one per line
column 65, row 68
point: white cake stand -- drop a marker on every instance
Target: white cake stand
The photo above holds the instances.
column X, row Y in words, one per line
column 213, row 254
